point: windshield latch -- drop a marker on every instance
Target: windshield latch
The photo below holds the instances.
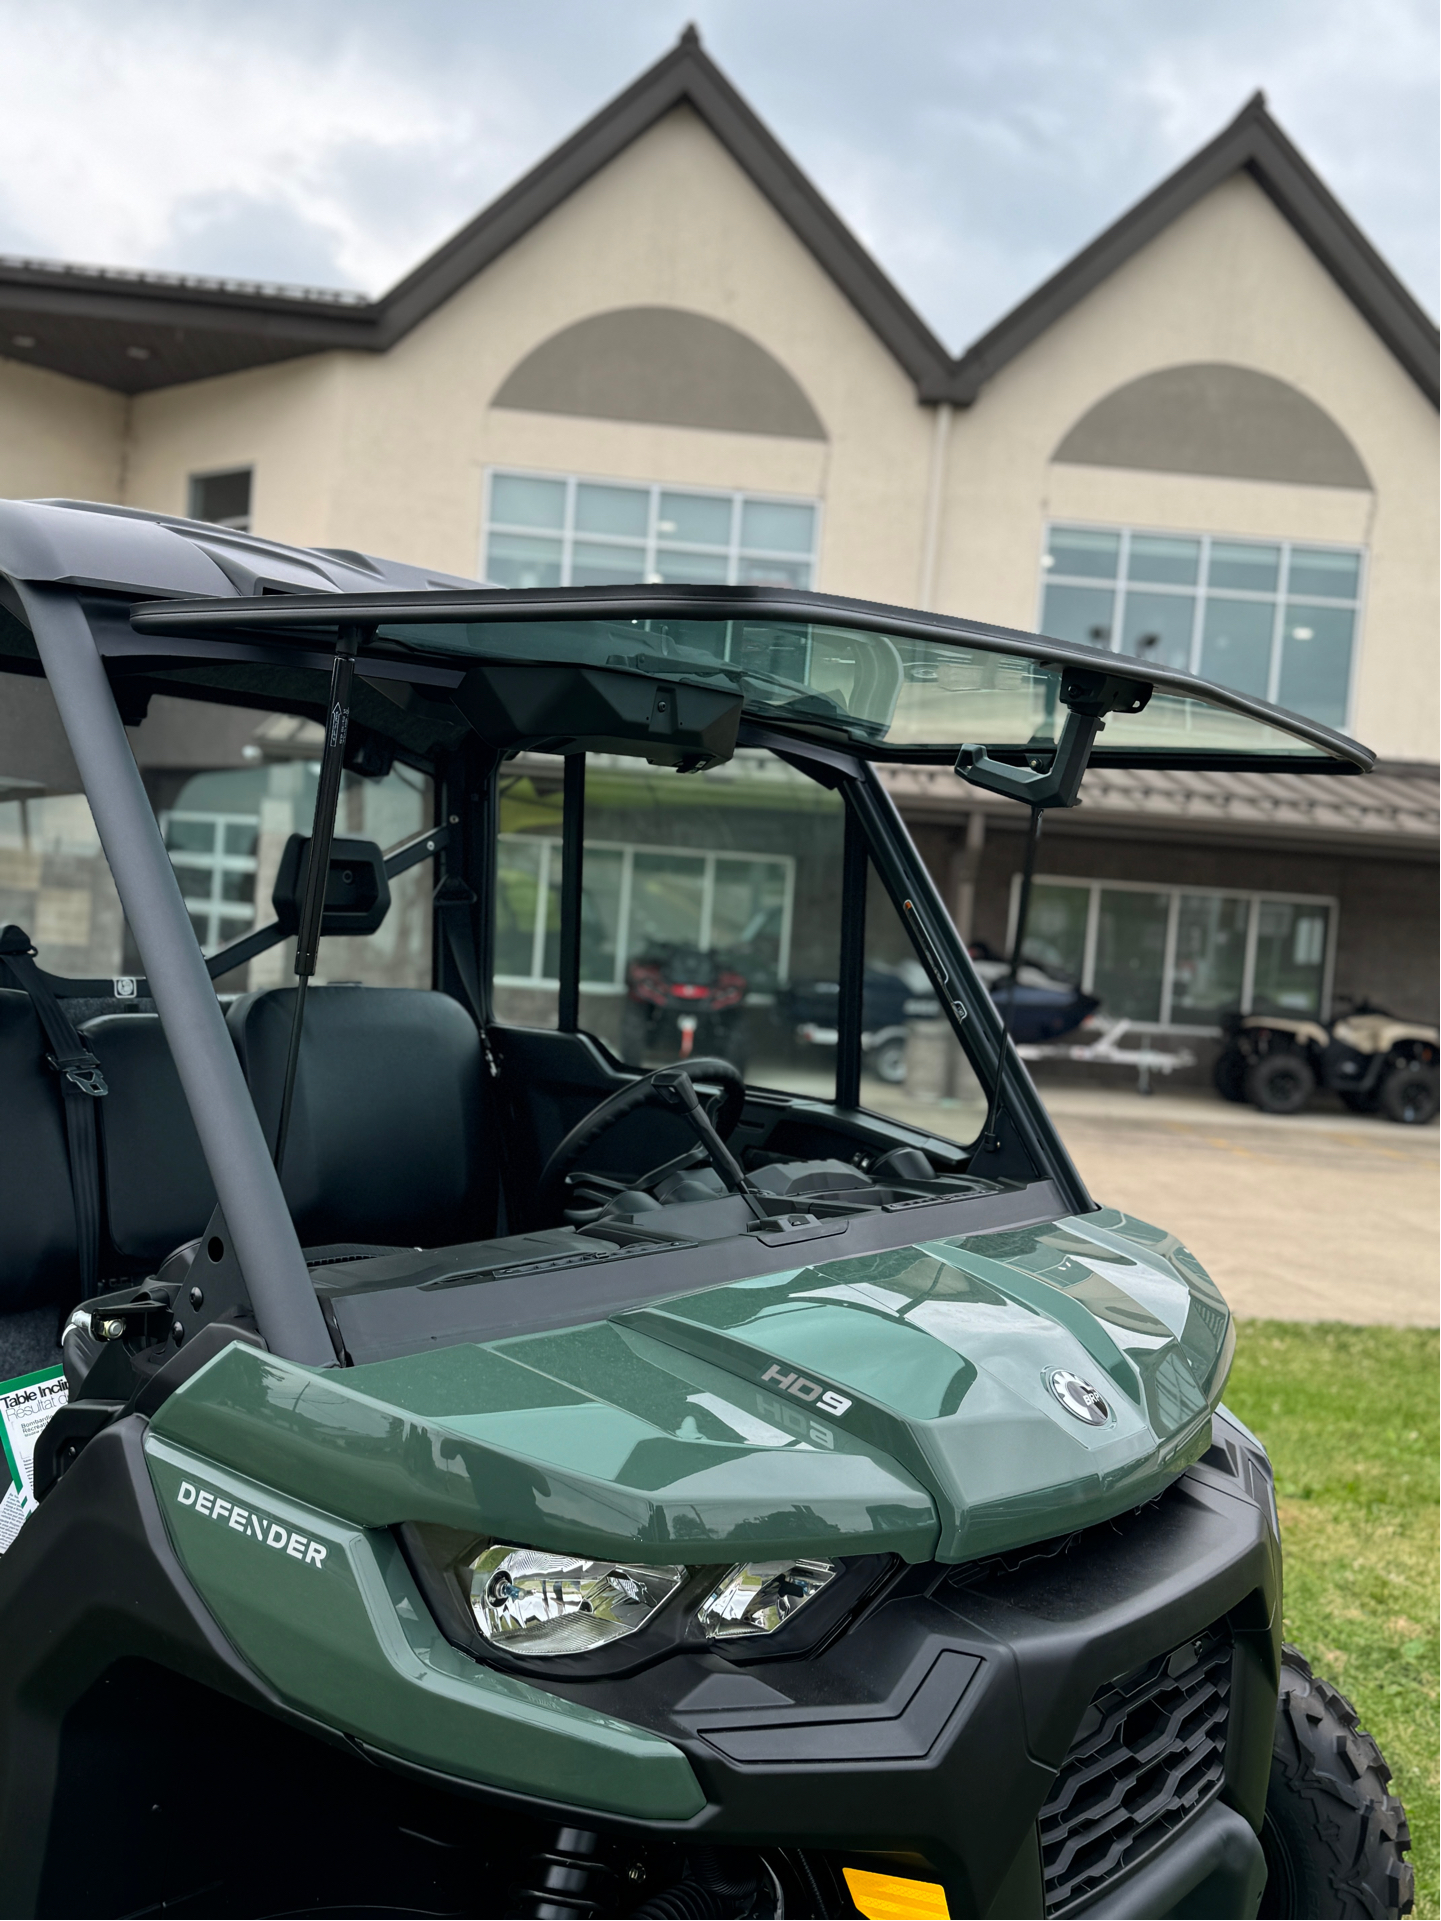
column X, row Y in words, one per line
column 1088, row 697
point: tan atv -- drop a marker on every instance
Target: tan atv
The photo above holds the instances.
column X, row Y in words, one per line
column 1375, row 1062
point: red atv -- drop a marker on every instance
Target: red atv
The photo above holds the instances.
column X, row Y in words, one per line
column 682, row 1002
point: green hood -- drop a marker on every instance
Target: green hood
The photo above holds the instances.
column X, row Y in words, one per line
column 896, row 1402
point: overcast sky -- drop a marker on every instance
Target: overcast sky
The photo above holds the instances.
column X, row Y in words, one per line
column 972, row 146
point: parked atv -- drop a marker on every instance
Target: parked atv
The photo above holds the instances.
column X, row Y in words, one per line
column 681, row 1001
column 1376, row 1062
column 482, row 1476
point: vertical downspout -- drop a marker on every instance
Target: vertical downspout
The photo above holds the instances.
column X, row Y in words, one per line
column 935, row 501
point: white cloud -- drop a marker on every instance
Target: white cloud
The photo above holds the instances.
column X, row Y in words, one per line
column 972, row 148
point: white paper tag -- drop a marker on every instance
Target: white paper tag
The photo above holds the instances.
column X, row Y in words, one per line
column 26, row 1404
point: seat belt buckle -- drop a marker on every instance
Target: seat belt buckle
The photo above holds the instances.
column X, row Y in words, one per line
column 82, row 1071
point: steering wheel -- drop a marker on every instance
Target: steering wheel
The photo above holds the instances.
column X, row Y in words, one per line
column 612, row 1111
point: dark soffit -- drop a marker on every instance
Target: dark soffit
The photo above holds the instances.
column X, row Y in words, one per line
column 136, row 332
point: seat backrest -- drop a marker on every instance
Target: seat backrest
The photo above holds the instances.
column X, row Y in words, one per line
column 38, row 1250
column 387, row 1127
column 155, row 1185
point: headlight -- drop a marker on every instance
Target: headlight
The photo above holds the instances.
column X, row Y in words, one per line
column 761, row 1596
column 542, row 1603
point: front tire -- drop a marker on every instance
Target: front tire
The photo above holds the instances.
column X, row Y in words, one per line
column 1334, row 1838
column 1280, row 1083
column 1408, row 1094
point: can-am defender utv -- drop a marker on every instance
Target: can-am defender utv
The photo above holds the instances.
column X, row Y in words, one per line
column 498, row 1479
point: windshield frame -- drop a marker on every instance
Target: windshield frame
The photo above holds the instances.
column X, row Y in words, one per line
column 285, row 619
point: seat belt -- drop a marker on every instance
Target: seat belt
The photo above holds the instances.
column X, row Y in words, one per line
column 81, row 1085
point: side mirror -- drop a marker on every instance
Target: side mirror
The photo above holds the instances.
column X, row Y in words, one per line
column 357, row 893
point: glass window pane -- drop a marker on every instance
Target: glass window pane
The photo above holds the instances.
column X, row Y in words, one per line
column 675, row 563
column 1210, row 957
column 1157, row 627
column 1056, row 927
column 1236, row 644
column 1244, row 564
column 594, row 565
column 1130, row 952
column 612, row 510
column 1153, row 558
column 602, row 879
column 729, row 897
column 240, row 837
column 1290, row 957
column 748, row 916
column 1079, row 613
column 700, row 517
column 1084, row 551
column 912, row 1065
column 667, row 896
column 190, row 836
column 776, row 527
column 752, row 572
column 1322, row 570
column 237, row 886
column 1316, row 661
column 519, row 501
column 522, row 560
column 517, row 896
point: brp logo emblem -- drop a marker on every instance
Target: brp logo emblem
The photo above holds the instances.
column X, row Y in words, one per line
column 1078, row 1397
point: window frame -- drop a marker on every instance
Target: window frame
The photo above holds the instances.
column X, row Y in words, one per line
column 234, row 524
column 1120, row 585
column 568, row 535
column 1254, row 896
column 215, row 864
column 549, row 870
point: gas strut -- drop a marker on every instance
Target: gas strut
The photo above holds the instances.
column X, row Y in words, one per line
column 317, row 873
column 1088, row 695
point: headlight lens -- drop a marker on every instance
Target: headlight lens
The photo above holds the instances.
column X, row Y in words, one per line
column 540, row 1603
column 761, row 1596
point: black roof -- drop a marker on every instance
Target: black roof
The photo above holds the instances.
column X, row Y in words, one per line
column 138, row 331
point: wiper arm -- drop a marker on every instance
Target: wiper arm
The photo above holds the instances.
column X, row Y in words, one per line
column 677, row 1090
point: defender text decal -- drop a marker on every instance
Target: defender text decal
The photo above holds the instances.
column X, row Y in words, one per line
column 253, row 1526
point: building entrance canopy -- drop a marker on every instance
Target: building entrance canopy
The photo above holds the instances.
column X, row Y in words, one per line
column 889, row 685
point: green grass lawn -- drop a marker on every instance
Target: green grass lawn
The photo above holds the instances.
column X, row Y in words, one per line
column 1349, row 1416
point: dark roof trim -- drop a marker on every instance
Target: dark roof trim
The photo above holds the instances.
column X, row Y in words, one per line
column 183, row 327
column 1253, row 144
column 685, row 76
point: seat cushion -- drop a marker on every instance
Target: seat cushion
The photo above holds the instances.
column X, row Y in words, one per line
column 386, row 1126
column 157, row 1187
column 38, row 1256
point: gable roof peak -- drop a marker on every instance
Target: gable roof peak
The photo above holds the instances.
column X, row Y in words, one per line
column 1252, row 143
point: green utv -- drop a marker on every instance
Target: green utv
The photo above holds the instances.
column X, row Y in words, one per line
column 492, row 1476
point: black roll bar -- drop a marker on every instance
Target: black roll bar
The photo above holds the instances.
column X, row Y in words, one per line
column 259, row 1223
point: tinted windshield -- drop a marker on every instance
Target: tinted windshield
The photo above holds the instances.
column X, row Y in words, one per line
column 883, row 689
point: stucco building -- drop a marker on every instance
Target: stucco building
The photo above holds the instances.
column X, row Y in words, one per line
column 1210, row 437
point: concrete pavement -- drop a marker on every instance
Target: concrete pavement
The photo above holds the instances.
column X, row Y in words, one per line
column 1324, row 1216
